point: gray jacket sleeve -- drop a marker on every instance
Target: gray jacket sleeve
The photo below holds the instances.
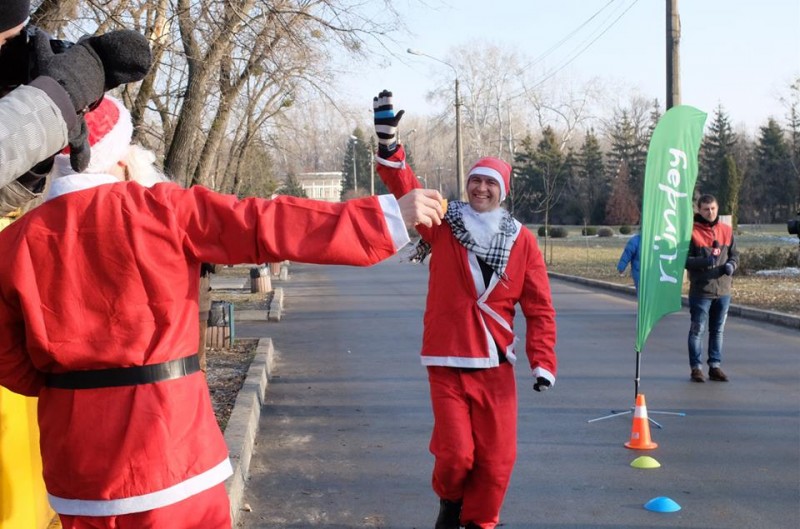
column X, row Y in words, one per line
column 31, row 130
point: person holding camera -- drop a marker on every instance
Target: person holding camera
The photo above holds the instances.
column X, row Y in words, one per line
column 711, row 262
column 45, row 88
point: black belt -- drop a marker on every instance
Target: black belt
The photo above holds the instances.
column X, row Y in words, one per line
column 124, row 376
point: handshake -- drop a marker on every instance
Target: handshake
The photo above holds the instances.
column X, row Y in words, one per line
column 85, row 70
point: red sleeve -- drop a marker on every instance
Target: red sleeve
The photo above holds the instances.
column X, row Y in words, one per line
column 400, row 179
column 226, row 230
column 537, row 306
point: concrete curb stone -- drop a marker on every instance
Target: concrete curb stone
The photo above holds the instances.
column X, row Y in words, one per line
column 242, row 428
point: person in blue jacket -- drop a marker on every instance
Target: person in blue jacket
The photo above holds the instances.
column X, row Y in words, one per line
column 631, row 255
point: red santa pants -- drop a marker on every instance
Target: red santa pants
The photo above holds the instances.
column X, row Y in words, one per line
column 209, row 509
column 474, row 438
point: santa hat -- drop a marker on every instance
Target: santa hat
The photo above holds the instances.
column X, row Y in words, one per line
column 494, row 168
column 14, row 13
column 110, row 131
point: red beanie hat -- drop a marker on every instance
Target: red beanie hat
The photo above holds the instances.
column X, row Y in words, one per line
column 494, row 168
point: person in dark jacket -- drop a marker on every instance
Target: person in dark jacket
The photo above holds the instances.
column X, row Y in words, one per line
column 44, row 94
column 711, row 262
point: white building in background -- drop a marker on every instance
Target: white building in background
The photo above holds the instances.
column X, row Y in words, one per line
column 322, row 186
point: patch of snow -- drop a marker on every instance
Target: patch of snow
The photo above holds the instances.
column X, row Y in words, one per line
column 790, row 271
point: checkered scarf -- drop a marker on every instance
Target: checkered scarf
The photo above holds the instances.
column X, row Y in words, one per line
column 496, row 255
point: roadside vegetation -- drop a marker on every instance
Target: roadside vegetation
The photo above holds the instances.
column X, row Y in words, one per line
column 768, row 277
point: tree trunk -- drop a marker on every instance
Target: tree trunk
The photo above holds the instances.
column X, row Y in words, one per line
column 53, row 15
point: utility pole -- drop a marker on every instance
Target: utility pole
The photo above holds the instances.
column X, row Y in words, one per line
column 673, row 54
column 461, row 192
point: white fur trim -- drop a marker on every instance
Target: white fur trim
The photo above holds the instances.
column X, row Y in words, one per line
column 491, row 173
column 77, row 182
column 145, row 502
column 396, row 165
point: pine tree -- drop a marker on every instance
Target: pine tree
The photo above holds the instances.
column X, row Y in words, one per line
column 628, row 145
column 717, row 145
column 794, row 137
column 292, row 187
column 523, row 194
column 730, row 185
column 592, row 185
column 360, row 150
column 776, row 185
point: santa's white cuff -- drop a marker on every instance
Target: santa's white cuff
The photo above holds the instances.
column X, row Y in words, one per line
column 394, row 220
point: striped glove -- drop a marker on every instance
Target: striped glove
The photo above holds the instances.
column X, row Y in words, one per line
column 386, row 123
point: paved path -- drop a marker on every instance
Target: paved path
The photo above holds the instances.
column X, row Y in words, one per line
column 344, row 431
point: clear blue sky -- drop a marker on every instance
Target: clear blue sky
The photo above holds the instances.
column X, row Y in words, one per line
column 743, row 54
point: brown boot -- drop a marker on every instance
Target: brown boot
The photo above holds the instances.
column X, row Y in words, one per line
column 697, row 375
column 449, row 515
column 716, row 373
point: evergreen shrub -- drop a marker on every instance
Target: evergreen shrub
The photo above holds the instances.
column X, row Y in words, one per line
column 625, row 229
column 589, row 230
column 605, row 232
column 558, row 232
column 752, row 260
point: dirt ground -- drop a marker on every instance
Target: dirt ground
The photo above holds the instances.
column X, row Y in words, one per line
column 225, row 373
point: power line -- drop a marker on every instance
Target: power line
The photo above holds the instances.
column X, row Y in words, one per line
column 553, row 72
column 558, row 44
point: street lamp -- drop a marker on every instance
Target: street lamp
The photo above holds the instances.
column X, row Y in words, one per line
column 355, row 175
column 459, row 153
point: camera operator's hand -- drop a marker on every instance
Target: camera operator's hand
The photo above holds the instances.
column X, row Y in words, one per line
column 94, row 65
column 87, row 70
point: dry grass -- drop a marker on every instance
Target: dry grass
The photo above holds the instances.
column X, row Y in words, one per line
column 225, row 374
column 597, row 257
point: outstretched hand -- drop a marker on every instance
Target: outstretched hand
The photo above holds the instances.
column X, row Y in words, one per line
column 421, row 206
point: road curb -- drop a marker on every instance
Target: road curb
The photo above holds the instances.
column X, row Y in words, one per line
column 242, row 428
column 767, row 316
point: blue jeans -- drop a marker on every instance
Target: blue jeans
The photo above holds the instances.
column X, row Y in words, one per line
column 707, row 314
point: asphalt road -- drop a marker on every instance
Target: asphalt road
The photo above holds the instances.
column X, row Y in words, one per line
column 343, row 439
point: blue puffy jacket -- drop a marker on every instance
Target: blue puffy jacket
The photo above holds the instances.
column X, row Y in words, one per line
column 631, row 255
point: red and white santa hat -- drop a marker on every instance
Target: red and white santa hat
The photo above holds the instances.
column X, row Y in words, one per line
column 496, row 169
column 110, row 132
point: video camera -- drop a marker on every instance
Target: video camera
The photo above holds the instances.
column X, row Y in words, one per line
column 18, row 64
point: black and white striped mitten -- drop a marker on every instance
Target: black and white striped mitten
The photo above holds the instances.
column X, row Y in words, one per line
column 386, row 123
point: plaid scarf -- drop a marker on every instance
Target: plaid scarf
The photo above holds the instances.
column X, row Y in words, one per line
column 496, row 255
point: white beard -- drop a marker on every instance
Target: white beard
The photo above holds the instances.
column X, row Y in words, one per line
column 482, row 226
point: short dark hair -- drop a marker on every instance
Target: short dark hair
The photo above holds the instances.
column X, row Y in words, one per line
column 706, row 199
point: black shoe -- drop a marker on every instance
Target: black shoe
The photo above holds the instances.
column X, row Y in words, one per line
column 697, row 375
column 716, row 373
column 449, row 515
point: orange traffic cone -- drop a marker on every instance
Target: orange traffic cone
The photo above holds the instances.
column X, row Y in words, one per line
column 640, row 432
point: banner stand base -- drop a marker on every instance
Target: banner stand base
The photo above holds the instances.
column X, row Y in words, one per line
column 619, row 413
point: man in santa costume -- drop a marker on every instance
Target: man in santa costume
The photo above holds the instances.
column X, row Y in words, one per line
column 483, row 262
column 98, row 318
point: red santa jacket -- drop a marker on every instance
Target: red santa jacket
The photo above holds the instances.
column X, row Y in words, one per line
column 108, row 277
column 464, row 320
